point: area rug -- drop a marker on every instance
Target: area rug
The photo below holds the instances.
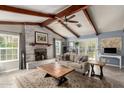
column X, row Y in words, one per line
column 35, row 79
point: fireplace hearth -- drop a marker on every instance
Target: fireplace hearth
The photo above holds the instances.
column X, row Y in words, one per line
column 40, row 54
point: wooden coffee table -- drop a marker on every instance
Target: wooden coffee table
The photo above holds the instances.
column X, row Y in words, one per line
column 98, row 63
column 57, row 71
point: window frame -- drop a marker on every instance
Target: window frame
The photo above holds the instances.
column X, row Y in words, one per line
column 13, row 60
column 59, row 46
column 86, row 48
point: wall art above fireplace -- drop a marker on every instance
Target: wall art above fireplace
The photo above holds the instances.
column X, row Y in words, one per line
column 41, row 38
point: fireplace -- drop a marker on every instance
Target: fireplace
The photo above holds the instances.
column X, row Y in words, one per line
column 40, row 54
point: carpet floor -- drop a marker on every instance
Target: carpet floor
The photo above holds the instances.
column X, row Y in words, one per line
column 35, row 79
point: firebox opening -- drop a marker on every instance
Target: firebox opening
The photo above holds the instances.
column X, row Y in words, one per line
column 40, row 54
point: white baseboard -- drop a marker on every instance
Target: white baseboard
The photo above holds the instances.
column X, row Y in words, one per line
column 10, row 70
column 114, row 65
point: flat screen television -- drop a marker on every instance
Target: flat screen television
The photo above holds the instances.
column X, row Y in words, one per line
column 110, row 50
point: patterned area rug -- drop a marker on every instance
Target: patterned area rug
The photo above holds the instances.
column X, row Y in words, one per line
column 35, row 79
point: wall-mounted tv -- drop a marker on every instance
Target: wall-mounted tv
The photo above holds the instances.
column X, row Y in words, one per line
column 110, row 50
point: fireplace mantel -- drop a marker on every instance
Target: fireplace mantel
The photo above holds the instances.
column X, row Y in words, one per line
column 47, row 44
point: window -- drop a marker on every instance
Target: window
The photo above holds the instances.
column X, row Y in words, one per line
column 58, row 47
column 9, row 48
column 89, row 47
column 71, row 46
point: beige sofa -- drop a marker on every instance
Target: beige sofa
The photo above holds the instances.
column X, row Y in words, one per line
column 78, row 62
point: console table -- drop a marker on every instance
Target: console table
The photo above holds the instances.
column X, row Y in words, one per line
column 114, row 56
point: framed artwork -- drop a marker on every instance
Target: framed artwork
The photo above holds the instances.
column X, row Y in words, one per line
column 41, row 37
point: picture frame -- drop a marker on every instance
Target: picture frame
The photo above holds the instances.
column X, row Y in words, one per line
column 41, row 38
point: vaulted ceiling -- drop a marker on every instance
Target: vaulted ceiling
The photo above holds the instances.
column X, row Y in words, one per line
column 94, row 19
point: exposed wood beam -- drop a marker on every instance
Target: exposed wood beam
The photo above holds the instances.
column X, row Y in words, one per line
column 25, row 11
column 70, row 10
column 69, row 29
column 90, row 21
column 18, row 23
column 54, row 31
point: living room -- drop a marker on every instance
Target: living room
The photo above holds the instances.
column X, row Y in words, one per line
column 83, row 42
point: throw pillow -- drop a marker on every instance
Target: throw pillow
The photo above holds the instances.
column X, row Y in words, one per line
column 74, row 56
column 67, row 57
column 71, row 57
column 83, row 59
column 63, row 57
column 78, row 58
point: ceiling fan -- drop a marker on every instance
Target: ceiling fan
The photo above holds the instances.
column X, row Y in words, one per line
column 69, row 20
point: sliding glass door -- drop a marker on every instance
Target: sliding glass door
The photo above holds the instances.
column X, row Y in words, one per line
column 85, row 47
column 89, row 47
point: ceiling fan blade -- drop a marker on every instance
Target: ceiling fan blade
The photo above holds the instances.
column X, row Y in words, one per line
column 71, row 17
column 71, row 21
column 65, row 19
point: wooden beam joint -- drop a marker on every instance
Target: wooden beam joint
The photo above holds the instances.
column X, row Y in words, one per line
column 54, row 31
column 70, row 10
column 68, row 28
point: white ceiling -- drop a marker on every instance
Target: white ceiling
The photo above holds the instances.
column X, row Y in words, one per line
column 108, row 18
column 60, row 29
column 9, row 16
column 52, row 9
column 81, row 18
column 85, row 28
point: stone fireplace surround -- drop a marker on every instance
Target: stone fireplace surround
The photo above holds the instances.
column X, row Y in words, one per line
column 30, row 37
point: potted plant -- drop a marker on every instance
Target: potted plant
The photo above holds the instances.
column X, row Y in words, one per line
column 76, row 44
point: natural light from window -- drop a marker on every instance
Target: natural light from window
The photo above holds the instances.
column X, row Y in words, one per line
column 89, row 47
column 85, row 47
column 9, row 48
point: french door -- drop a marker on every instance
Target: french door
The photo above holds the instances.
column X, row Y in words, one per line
column 58, row 47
